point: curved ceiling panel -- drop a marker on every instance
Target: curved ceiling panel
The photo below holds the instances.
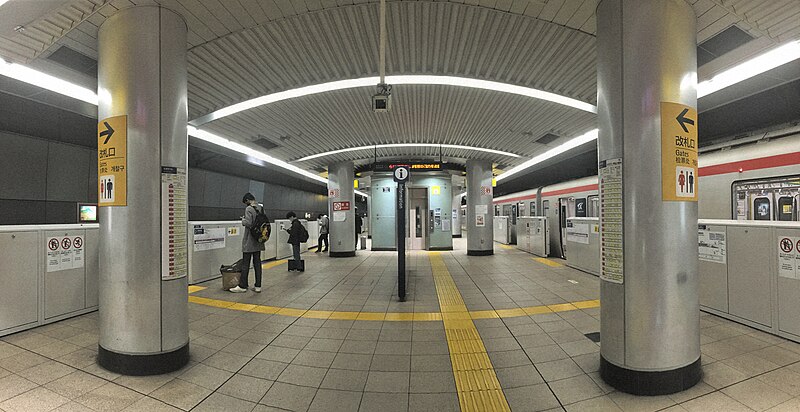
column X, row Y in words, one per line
column 420, row 114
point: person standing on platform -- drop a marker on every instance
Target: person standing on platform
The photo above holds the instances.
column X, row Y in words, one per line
column 324, row 222
column 251, row 247
column 297, row 235
column 359, row 223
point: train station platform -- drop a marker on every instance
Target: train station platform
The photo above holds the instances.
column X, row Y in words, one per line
column 476, row 333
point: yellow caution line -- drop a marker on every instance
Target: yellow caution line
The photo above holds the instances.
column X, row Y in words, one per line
column 193, row 288
column 476, row 382
column 272, row 264
column 507, row 247
column 390, row 316
column 548, row 262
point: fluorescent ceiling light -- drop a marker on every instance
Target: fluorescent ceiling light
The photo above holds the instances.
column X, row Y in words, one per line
column 3, row 2
column 411, row 79
column 753, row 67
column 360, row 193
column 46, row 81
column 570, row 144
column 395, row 145
column 226, row 143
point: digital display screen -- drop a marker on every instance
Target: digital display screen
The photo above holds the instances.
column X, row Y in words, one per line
column 87, row 213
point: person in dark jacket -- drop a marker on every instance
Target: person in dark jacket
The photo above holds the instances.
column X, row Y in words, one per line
column 295, row 232
column 251, row 247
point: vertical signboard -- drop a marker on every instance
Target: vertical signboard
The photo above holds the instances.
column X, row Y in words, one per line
column 611, row 221
column 678, row 152
column 112, row 161
column 401, row 175
column 174, row 254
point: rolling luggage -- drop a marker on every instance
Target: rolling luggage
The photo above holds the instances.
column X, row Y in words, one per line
column 231, row 274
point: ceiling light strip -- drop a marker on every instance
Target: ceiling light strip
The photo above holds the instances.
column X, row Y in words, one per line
column 760, row 64
column 394, row 80
column 401, row 145
column 568, row 145
column 46, row 81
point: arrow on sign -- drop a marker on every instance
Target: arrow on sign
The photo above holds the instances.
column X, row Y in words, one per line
column 682, row 120
column 110, row 132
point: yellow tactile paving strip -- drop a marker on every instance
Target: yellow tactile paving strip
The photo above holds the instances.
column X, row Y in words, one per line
column 548, row 262
column 476, row 382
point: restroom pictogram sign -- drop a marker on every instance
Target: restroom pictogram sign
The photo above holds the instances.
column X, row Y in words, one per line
column 112, row 161
column 679, row 177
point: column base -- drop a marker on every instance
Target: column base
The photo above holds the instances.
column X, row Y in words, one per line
column 384, row 249
column 650, row 383
column 342, row 254
column 480, row 252
column 143, row 365
column 440, row 249
column 457, row 236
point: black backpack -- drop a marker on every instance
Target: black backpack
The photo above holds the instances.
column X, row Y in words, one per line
column 261, row 228
column 303, row 234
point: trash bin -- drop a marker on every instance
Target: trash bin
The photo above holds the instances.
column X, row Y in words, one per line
column 231, row 274
column 363, row 242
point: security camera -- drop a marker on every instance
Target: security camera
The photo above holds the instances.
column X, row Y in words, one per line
column 382, row 101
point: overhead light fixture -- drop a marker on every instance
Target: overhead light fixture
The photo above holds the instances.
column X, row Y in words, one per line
column 753, row 67
column 3, row 2
column 46, row 81
column 568, row 145
column 396, row 145
column 410, row 79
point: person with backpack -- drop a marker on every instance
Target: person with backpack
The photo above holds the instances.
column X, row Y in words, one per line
column 297, row 235
column 257, row 233
column 324, row 222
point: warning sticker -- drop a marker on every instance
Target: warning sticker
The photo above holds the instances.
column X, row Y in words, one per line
column 678, row 152
column 64, row 253
column 711, row 246
column 789, row 257
column 112, row 161
column 611, row 221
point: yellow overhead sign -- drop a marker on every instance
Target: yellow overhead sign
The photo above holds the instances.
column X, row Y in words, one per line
column 112, row 161
column 678, row 152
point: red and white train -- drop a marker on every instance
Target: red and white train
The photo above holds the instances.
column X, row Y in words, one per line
column 755, row 178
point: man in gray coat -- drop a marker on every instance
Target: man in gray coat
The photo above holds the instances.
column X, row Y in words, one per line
column 251, row 247
column 324, row 222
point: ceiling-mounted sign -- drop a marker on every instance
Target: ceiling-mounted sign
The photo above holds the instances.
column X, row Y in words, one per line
column 678, row 152
column 112, row 161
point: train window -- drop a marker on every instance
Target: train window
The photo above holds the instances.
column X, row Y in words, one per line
column 761, row 209
column 580, row 207
column 773, row 198
column 594, row 206
column 545, row 207
column 497, row 210
column 513, row 216
column 533, row 208
column 785, row 208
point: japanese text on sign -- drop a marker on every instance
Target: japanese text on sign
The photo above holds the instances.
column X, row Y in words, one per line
column 678, row 152
column 611, row 219
column 112, row 162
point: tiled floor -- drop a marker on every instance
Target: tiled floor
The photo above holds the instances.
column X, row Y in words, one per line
column 249, row 361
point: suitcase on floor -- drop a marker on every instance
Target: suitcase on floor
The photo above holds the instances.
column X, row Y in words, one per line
column 231, row 274
column 297, row 265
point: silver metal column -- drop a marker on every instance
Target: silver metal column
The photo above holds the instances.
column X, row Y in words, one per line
column 458, row 188
column 480, row 213
column 342, row 222
column 144, row 326
column 650, row 311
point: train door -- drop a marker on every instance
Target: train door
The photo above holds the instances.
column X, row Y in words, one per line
column 552, row 214
column 567, row 208
column 594, row 206
column 761, row 205
column 786, row 206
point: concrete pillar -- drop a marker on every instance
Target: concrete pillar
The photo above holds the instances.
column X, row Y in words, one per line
column 456, row 213
column 647, row 99
column 342, row 222
column 480, row 217
column 144, row 327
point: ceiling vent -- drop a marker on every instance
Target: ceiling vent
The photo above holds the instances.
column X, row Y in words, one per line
column 74, row 60
column 547, row 138
column 265, row 143
column 727, row 40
